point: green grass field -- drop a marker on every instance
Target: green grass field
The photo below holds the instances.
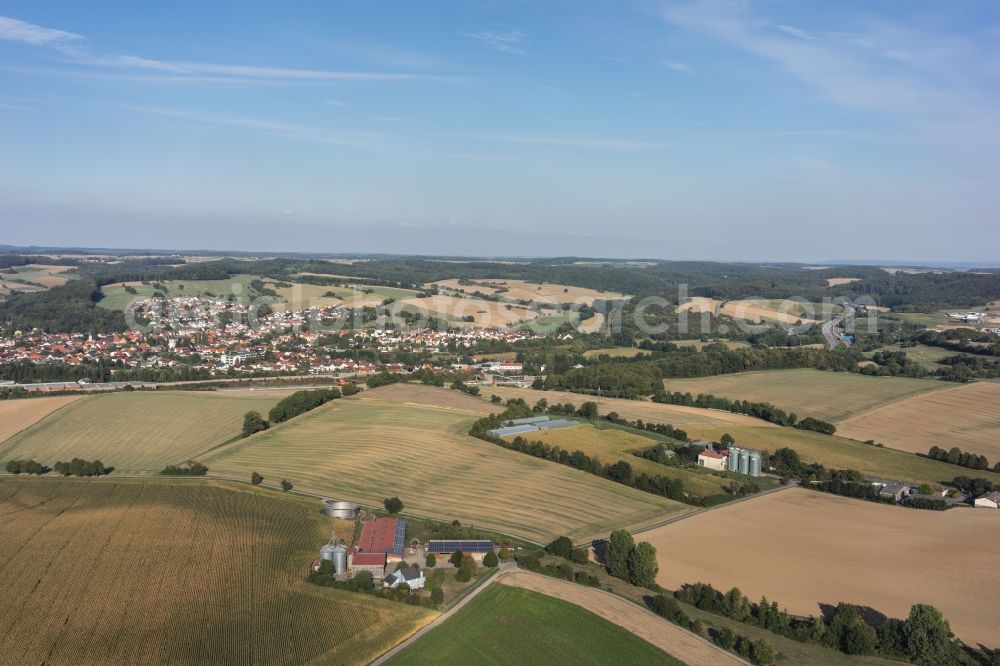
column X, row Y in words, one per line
column 139, row 432
column 116, row 298
column 133, row 572
column 926, row 356
column 611, row 445
column 841, row 453
column 507, row 625
column 368, row 449
column 830, row 396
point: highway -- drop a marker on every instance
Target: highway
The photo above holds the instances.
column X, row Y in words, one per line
column 830, row 328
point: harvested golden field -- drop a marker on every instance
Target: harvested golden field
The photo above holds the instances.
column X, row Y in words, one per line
column 966, row 416
column 591, row 324
column 830, row 396
column 45, row 275
column 610, row 445
column 699, row 304
column 670, row 638
column 430, row 396
column 835, row 282
column 841, row 453
column 102, row 572
column 17, row 415
column 630, row 409
column 803, row 548
column 486, row 314
column 700, row 344
column 615, row 352
column 521, row 290
column 757, row 310
column 303, row 296
column 138, row 433
column 367, row 449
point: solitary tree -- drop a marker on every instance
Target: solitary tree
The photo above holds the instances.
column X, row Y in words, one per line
column 456, row 558
column 505, row 554
column 490, row 560
column 286, row 485
column 256, row 479
column 431, row 561
column 253, row 422
column 393, row 505
column 642, row 565
column 620, row 545
column 928, row 636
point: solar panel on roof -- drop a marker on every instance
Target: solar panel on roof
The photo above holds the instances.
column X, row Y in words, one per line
column 464, row 545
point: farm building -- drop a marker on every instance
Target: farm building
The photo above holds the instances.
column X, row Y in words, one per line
column 383, row 535
column 374, row 563
column 990, row 500
column 897, row 490
column 411, row 575
column 475, row 547
column 529, row 424
column 710, row 459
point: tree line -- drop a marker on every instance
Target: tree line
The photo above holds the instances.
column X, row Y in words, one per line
column 760, row 410
column 924, row 637
column 301, row 402
column 957, row 456
column 75, row 467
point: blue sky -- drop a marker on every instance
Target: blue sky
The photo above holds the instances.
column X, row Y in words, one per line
column 705, row 130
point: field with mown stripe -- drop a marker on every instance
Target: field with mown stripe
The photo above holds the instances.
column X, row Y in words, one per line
column 115, row 572
column 138, row 432
column 830, row 396
column 367, row 449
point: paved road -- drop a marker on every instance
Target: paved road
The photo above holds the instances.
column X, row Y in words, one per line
column 829, row 329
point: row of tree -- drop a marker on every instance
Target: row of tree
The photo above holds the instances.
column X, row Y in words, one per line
column 301, row 402
column 75, row 467
column 760, row 410
column 924, row 637
column 957, row 456
column 193, row 468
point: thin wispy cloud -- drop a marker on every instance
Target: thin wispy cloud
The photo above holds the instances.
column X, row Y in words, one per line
column 793, row 31
column 335, row 103
column 599, row 143
column 676, row 65
column 68, row 45
column 506, row 41
column 14, row 30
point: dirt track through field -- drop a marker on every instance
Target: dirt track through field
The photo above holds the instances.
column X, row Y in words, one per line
column 668, row 637
column 804, row 548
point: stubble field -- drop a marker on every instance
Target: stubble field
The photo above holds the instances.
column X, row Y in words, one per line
column 803, row 548
column 18, row 415
column 830, row 396
column 966, row 416
column 106, row 572
column 137, row 433
column 366, row 449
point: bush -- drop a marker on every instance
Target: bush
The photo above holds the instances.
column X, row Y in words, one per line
column 561, row 547
column 256, row 479
column 505, row 554
column 393, row 505
column 437, row 596
column 491, row 560
column 431, row 561
column 286, row 485
column 253, row 422
column 456, row 558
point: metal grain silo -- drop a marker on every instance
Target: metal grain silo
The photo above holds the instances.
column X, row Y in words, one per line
column 755, row 463
column 744, row 461
column 340, row 558
column 733, row 463
column 326, row 553
column 345, row 510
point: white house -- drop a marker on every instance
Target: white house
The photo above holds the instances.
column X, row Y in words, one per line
column 990, row 500
column 411, row 575
column 709, row 459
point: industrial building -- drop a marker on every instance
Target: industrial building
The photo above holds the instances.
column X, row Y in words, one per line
column 477, row 548
column 990, row 500
column 743, row 461
column 342, row 510
column 709, row 459
column 383, row 535
column 530, row 424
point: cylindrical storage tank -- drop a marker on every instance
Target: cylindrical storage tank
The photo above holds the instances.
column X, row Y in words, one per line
column 345, row 510
column 326, row 553
column 340, row 559
column 754, row 463
column 744, row 462
column 733, row 463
